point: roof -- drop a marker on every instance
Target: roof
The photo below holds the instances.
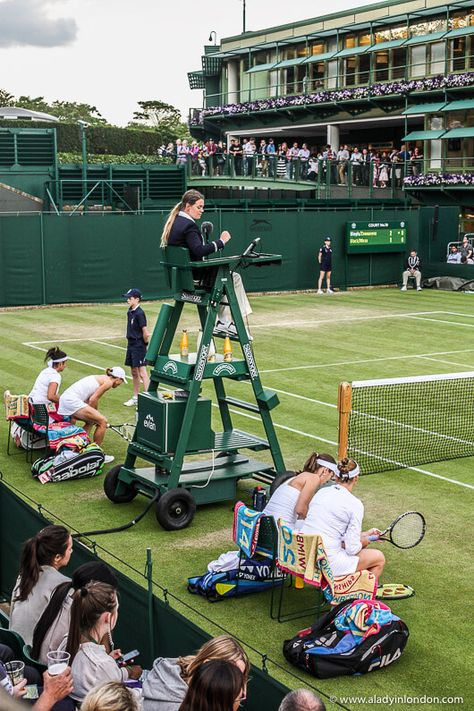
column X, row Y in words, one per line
column 14, row 112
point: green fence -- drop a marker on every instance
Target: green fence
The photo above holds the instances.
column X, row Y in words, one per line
column 148, row 623
column 46, row 259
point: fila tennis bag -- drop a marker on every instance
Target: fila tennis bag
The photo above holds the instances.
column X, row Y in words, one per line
column 70, row 465
column 335, row 646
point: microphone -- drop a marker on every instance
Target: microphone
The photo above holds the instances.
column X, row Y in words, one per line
column 251, row 247
column 206, row 229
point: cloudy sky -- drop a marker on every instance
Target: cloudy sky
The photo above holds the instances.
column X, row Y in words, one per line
column 113, row 53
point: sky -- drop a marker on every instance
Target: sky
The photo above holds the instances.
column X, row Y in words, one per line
column 113, row 53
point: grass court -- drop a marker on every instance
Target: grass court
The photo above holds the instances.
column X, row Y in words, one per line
column 304, row 346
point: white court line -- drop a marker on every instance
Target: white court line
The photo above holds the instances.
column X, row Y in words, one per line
column 110, row 345
column 448, row 362
column 75, row 360
column 438, row 320
column 72, row 340
column 286, row 428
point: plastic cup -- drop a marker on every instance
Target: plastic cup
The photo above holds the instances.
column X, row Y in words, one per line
column 57, row 662
column 16, row 671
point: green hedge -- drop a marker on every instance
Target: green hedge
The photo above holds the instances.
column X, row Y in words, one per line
column 127, row 158
column 100, row 139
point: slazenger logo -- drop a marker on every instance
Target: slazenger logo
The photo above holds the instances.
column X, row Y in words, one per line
column 170, row 367
column 224, row 368
column 149, row 423
column 250, row 361
column 261, row 225
column 198, row 373
column 195, row 298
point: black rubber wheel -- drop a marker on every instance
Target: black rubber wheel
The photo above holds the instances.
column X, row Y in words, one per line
column 279, row 479
column 110, row 485
column 175, row 509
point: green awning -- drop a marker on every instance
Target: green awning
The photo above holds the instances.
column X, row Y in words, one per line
column 423, row 39
column 319, row 57
column 460, row 31
column 289, row 63
column 390, row 44
column 260, row 68
column 423, row 135
column 352, row 50
column 467, row 132
column 461, row 105
column 424, row 108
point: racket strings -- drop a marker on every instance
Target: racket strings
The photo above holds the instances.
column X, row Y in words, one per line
column 408, row 530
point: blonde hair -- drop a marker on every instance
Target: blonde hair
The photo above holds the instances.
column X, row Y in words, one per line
column 224, row 648
column 190, row 197
column 112, row 696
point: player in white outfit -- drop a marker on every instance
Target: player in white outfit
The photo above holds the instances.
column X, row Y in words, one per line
column 80, row 400
column 336, row 514
column 45, row 391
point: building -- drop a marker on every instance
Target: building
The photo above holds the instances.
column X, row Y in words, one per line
column 380, row 76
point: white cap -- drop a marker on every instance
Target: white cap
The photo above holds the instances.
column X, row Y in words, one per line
column 118, row 372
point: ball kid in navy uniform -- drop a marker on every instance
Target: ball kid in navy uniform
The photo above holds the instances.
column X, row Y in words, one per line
column 325, row 266
column 137, row 337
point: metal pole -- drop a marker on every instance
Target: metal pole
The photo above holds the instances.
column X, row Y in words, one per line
column 243, row 16
column 84, row 161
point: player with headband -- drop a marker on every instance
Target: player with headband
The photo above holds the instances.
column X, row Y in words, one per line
column 291, row 499
column 336, row 514
column 45, row 391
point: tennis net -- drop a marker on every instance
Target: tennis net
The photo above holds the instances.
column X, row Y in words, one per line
column 406, row 422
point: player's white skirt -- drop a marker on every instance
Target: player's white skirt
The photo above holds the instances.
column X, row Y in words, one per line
column 341, row 562
column 68, row 404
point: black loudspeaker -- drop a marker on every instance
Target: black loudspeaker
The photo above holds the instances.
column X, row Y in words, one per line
column 434, row 224
column 131, row 197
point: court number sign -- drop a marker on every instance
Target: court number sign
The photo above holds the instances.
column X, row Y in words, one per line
column 367, row 237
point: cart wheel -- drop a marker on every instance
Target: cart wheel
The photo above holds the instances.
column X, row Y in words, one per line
column 279, row 479
column 175, row 509
column 110, row 485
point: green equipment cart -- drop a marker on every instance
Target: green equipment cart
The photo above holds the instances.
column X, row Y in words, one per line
column 175, row 424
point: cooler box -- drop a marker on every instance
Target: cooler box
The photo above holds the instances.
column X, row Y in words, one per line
column 160, row 420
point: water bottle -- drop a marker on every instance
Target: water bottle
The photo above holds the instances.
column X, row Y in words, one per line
column 259, row 498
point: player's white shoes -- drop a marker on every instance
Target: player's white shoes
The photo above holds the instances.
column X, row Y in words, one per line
column 403, row 288
column 108, row 458
column 329, row 291
column 418, row 288
column 320, row 291
column 132, row 402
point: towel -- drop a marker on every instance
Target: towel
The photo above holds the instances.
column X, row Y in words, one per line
column 246, row 527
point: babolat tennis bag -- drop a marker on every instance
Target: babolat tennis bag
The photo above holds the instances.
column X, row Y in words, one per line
column 253, row 576
column 70, row 465
column 353, row 638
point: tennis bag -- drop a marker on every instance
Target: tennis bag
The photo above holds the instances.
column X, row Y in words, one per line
column 253, row 576
column 69, row 465
column 325, row 650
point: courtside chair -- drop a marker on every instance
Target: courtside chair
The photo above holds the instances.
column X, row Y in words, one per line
column 14, row 641
column 39, row 416
column 31, row 661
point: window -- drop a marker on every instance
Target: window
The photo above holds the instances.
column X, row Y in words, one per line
column 435, row 147
column 350, row 71
column 458, row 54
column 349, row 41
column 317, row 48
column 365, row 40
column 437, row 54
column 399, row 60
column 332, row 74
column 364, row 68
column 317, row 73
column 381, row 66
column 418, row 61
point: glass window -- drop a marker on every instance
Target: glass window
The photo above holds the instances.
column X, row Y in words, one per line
column 350, row 71
column 437, row 54
column 399, row 60
column 364, row 68
column 317, row 48
column 349, row 41
column 317, row 73
column 332, row 74
column 435, row 124
column 259, row 58
column 365, row 40
column 381, row 66
column 418, row 61
column 458, row 54
column 273, row 83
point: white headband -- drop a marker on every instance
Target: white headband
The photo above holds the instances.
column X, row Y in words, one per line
column 55, row 360
column 328, row 465
column 352, row 474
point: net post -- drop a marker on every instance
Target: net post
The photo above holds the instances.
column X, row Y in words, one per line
column 344, row 404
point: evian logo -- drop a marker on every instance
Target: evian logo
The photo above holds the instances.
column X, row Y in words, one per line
column 225, row 368
column 170, row 367
column 149, row 423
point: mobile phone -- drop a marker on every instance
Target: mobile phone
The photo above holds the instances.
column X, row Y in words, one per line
column 31, row 692
column 125, row 658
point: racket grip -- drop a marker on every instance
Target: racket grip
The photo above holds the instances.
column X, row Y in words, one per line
column 374, row 537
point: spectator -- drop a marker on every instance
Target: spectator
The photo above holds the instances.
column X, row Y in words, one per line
column 112, row 696
column 303, row 155
column 167, row 682
column 412, row 269
column 221, row 153
column 384, row 168
column 416, row 160
column 216, row 685
column 41, row 559
column 356, row 160
column 454, row 256
column 282, row 160
column 262, row 159
column 342, row 161
column 301, row 700
column 293, row 158
column 53, row 625
column 271, row 151
column 249, row 149
column 466, row 249
column 365, row 167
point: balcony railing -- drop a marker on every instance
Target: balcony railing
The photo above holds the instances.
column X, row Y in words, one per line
column 440, row 173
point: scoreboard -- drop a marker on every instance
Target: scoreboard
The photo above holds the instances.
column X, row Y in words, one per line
column 366, row 237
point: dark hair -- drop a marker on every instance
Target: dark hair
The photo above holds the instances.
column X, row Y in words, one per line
column 94, row 570
column 190, row 197
column 345, row 466
column 214, row 686
column 54, row 353
column 311, row 464
column 88, row 604
column 38, row 551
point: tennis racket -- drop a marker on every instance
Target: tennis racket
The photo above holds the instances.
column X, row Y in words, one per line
column 126, row 431
column 405, row 532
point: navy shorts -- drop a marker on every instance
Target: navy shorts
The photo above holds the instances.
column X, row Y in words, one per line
column 325, row 267
column 135, row 355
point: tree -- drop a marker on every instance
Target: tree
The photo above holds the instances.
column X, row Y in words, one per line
column 66, row 111
column 6, row 99
column 157, row 114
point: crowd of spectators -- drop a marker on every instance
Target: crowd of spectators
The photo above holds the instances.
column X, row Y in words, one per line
column 461, row 255
column 75, row 618
column 294, row 160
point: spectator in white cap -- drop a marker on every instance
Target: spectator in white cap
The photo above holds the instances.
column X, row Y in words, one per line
column 80, row 401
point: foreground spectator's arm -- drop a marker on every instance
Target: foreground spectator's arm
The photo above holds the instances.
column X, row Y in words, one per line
column 55, row 688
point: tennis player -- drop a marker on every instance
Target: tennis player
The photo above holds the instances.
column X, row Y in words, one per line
column 45, row 390
column 336, row 514
column 80, row 401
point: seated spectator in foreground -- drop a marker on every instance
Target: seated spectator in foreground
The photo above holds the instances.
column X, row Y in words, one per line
column 41, row 558
column 466, row 249
column 167, row 682
column 454, row 256
column 53, row 694
column 216, row 685
column 301, row 700
column 112, row 696
column 466, row 260
column 412, row 269
column 53, row 625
